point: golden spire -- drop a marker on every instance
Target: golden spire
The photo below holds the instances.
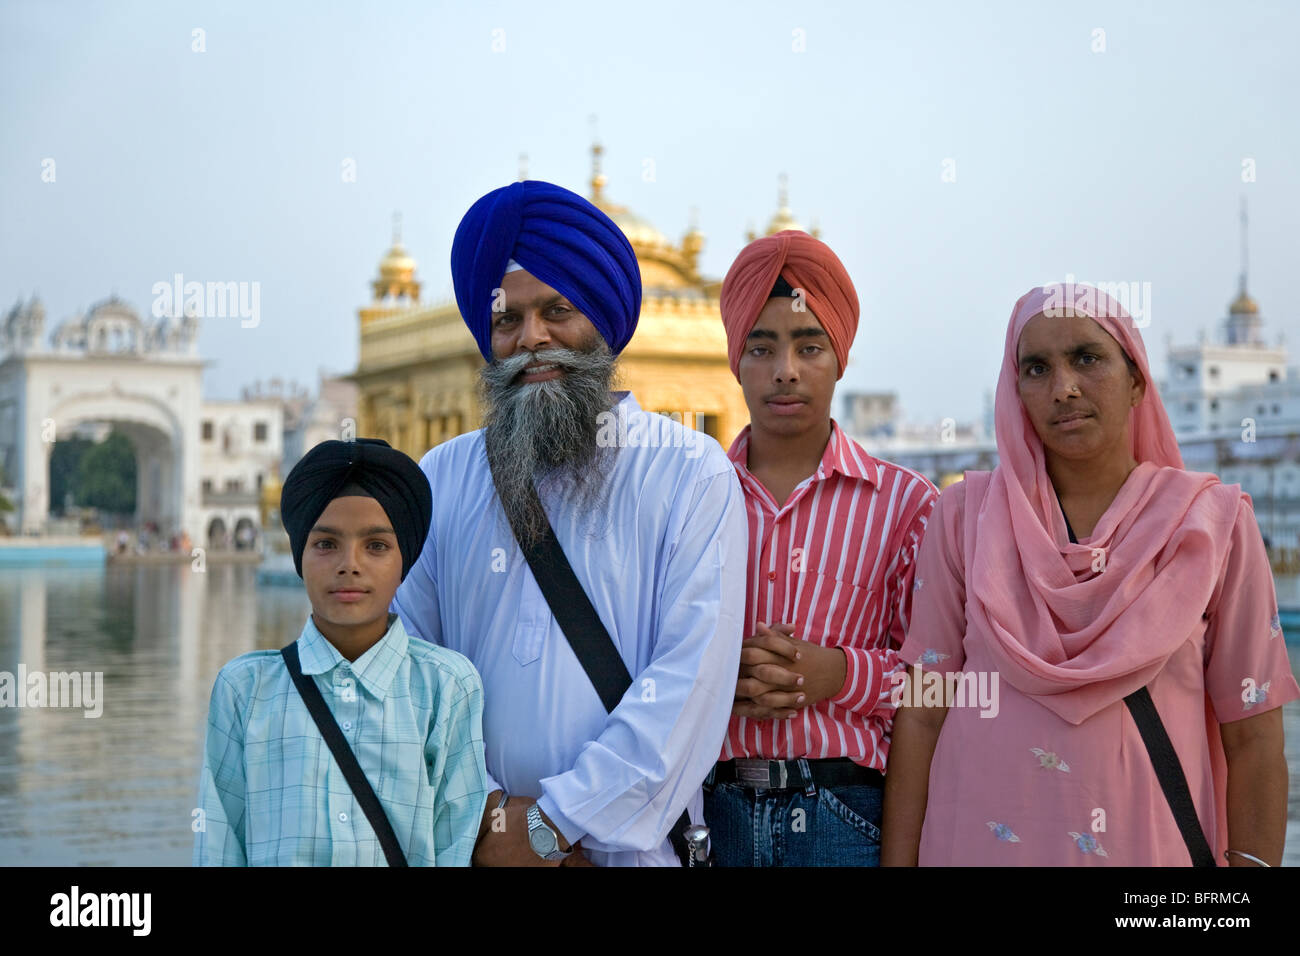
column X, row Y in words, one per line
column 396, row 270
column 597, row 177
column 783, row 219
column 1243, row 304
column 692, row 243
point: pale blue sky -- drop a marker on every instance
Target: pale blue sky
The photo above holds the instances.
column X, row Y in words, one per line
column 225, row 165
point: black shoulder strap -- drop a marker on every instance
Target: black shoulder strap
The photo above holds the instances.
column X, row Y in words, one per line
column 578, row 619
column 1169, row 771
column 1164, row 759
column 588, row 637
column 344, row 757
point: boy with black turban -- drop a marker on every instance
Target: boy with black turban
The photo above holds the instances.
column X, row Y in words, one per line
column 271, row 790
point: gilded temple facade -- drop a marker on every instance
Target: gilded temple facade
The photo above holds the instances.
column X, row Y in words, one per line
column 418, row 368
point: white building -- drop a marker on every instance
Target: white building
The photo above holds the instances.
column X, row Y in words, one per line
column 200, row 465
column 330, row 415
column 1235, row 406
column 111, row 366
column 241, row 443
column 1218, row 387
column 937, row 449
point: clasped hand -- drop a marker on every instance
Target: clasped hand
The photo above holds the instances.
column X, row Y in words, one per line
column 781, row 674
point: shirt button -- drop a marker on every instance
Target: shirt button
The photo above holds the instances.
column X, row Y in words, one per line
column 343, row 818
column 347, row 725
column 771, row 575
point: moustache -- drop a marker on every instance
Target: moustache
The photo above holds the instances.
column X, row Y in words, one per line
column 512, row 366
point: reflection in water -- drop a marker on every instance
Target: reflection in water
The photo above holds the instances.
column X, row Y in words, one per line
column 119, row 790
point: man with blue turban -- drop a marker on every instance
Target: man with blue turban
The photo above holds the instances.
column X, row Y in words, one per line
column 557, row 236
column 648, row 515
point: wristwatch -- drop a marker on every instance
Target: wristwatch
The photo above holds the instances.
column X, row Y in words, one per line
column 544, row 841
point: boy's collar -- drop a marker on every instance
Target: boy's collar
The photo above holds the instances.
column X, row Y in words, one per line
column 841, row 454
column 374, row 670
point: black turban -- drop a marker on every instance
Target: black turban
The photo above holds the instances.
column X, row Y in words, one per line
column 381, row 471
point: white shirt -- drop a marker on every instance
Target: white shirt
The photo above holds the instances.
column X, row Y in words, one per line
column 664, row 566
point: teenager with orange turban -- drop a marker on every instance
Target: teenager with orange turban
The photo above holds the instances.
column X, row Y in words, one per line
column 811, row 274
column 833, row 535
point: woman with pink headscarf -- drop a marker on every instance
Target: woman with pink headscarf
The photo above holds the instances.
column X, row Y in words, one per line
column 1097, row 662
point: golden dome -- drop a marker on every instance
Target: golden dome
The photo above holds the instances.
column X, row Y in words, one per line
column 663, row 264
column 638, row 231
column 783, row 218
column 1244, row 305
column 397, row 264
column 396, row 270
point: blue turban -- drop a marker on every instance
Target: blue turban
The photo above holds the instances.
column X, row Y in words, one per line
column 560, row 238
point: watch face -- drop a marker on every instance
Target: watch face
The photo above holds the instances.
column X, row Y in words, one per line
column 541, row 840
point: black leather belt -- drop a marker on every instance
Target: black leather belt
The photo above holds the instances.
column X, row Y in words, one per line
column 789, row 774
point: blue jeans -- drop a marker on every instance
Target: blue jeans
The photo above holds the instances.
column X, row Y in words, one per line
column 829, row 827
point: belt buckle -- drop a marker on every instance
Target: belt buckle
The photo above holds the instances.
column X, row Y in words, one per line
column 757, row 774
column 752, row 773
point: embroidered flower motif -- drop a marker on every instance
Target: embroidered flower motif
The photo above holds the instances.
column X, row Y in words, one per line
column 1049, row 760
column 1003, row 832
column 931, row 656
column 1275, row 626
column 1087, row 844
column 1261, row 695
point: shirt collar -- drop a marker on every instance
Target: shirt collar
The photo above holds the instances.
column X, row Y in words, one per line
column 374, row 670
column 625, row 397
column 842, row 455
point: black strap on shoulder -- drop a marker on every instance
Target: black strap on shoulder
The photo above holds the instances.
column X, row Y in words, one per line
column 588, row 637
column 344, row 757
column 1068, row 529
column 1164, row 759
column 1169, row 771
column 578, row 619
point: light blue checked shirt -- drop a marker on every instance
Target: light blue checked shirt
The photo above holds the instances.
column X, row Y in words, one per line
column 271, row 793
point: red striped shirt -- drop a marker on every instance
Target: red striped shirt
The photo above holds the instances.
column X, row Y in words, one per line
column 837, row 561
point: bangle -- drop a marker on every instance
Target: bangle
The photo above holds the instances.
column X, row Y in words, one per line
column 504, row 797
column 1253, row 859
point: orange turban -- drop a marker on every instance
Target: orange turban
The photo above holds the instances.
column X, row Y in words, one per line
column 806, row 263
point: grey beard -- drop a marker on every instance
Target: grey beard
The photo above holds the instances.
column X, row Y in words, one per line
column 542, row 435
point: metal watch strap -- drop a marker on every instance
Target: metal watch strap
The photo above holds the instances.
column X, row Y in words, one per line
column 535, row 822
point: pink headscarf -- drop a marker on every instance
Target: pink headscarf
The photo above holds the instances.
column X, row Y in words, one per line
column 1074, row 639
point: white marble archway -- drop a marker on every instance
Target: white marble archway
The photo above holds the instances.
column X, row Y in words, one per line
column 151, row 413
column 157, row 438
column 108, row 365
